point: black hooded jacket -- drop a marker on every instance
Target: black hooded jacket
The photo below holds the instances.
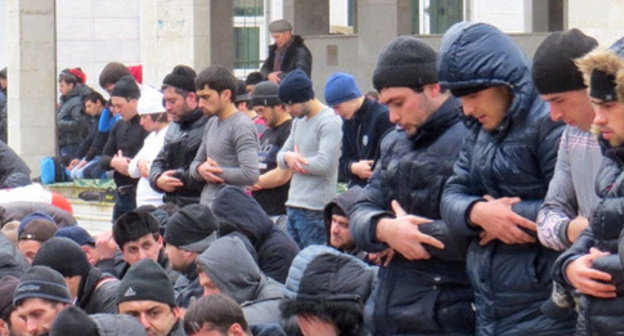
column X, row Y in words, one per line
column 238, row 212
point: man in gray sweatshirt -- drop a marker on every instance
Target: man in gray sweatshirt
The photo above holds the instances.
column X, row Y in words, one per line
column 228, row 153
column 312, row 152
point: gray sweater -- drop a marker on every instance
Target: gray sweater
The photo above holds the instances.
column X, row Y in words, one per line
column 319, row 140
column 233, row 144
column 571, row 190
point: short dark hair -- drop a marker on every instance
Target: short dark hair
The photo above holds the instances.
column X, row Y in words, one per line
column 218, row 78
column 217, row 310
column 95, row 96
column 112, row 73
column 253, row 78
column 158, row 117
column 68, row 77
column 5, row 314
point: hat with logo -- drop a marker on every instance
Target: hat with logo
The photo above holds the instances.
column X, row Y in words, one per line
column 146, row 280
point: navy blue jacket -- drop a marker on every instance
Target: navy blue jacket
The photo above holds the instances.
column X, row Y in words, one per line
column 361, row 136
column 516, row 159
column 421, row 297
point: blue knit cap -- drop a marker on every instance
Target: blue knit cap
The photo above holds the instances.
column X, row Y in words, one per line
column 339, row 88
column 296, row 88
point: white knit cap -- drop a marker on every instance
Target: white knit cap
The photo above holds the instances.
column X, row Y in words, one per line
column 151, row 101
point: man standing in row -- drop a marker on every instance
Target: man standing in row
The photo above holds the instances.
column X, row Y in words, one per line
column 286, row 54
column 169, row 172
column 311, row 152
column 365, row 123
column 228, row 153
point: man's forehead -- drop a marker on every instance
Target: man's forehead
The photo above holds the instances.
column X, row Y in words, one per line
column 146, row 238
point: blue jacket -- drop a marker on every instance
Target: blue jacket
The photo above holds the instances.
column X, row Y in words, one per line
column 517, row 159
column 421, row 297
column 361, row 137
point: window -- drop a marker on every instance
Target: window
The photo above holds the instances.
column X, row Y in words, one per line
column 435, row 16
column 246, row 47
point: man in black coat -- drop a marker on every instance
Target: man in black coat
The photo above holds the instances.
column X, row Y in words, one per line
column 169, row 172
column 365, row 124
column 286, row 54
column 423, row 289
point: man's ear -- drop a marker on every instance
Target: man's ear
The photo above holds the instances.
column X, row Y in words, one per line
column 236, row 330
column 161, row 241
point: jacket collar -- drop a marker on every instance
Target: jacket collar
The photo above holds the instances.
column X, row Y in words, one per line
column 190, row 118
column 443, row 118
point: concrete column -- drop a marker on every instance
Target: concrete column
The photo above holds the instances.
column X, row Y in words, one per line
column 601, row 19
column 308, row 17
column 196, row 33
column 32, row 79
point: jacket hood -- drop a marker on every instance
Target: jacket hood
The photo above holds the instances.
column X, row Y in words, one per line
column 609, row 61
column 232, row 269
column 344, row 202
column 478, row 54
column 79, row 90
column 253, row 222
column 328, row 284
column 118, row 325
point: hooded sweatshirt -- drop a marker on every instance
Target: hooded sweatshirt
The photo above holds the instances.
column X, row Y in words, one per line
column 232, row 269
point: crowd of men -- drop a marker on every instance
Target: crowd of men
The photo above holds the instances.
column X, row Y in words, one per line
column 485, row 197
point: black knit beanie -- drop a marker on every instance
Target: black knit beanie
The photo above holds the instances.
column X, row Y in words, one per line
column 134, row 225
column 8, row 283
column 192, row 228
column 553, row 64
column 44, row 283
column 181, row 77
column 127, row 88
column 296, row 88
column 64, row 256
column 405, row 62
column 73, row 321
column 146, row 280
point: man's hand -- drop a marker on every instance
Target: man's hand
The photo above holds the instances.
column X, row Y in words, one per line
column 120, row 163
column 384, row 257
column 209, row 170
column 496, row 217
column 275, row 77
column 296, row 161
column 587, row 280
column 105, row 245
column 403, row 235
column 144, row 166
column 167, row 182
column 311, row 325
column 575, row 227
column 73, row 163
column 362, row 169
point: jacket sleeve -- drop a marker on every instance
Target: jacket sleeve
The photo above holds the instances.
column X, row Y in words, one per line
column 370, row 207
column 159, row 166
column 455, row 246
column 99, row 141
column 348, row 156
column 330, row 135
column 288, row 146
column 560, row 205
column 458, row 198
column 69, row 118
column 547, row 147
column 200, row 158
column 581, row 246
column 85, row 145
column 303, row 60
column 246, row 145
column 110, row 148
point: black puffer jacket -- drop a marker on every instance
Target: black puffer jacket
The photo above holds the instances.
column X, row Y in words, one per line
column 11, row 163
column 71, row 124
column 603, row 316
column 12, row 262
column 437, row 298
column 517, row 159
column 297, row 56
column 181, row 144
column 274, row 248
